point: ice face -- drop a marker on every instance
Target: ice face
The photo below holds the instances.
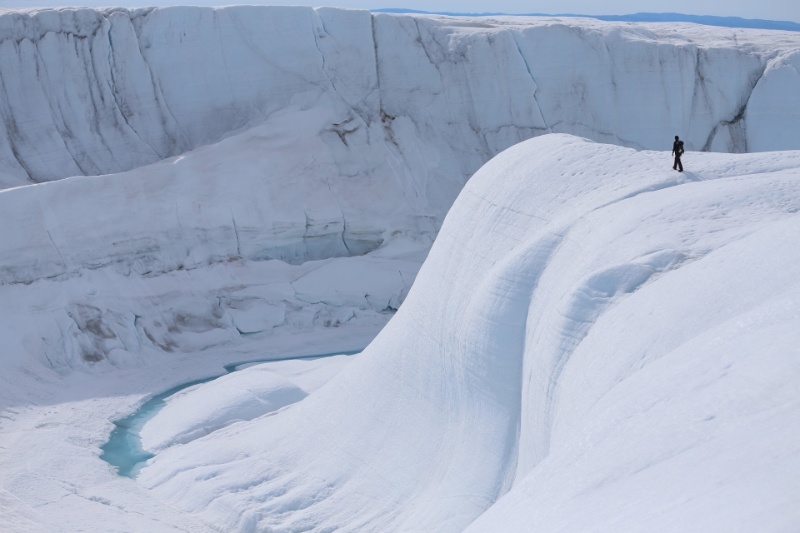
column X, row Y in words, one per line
column 91, row 92
column 301, row 134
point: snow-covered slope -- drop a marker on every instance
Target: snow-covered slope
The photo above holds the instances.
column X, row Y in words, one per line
column 273, row 179
column 90, row 92
column 594, row 343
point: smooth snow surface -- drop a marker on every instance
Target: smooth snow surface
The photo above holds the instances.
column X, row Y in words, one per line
column 254, row 392
column 176, row 416
column 594, row 343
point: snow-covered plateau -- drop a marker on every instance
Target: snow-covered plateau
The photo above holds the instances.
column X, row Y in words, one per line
column 587, row 341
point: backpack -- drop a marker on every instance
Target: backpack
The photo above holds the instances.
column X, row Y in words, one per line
column 679, row 151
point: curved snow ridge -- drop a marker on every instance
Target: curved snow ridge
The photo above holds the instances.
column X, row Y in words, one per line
column 580, row 337
column 241, row 396
column 183, row 420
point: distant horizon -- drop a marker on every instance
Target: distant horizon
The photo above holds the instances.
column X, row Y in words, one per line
column 543, row 14
column 769, row 10
column 772, row 10
column 710, row 20
column 727, row 21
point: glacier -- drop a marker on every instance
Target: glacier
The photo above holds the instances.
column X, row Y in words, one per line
column 599, row 349
column 323, row 133
column 594, row 342
column 88, row 92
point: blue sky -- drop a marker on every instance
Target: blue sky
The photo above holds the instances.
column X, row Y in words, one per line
column 764, row 9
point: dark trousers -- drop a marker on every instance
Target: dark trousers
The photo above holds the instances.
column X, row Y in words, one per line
column 677, row 165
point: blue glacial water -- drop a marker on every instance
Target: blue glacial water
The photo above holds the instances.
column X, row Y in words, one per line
column 124, row 451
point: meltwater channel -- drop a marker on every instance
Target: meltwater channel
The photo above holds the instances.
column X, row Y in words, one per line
column 124, row 451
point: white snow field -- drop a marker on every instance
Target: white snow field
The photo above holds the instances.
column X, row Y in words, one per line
column 594, row 342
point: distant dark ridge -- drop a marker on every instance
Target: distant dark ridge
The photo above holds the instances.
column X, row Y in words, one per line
column 725, row 22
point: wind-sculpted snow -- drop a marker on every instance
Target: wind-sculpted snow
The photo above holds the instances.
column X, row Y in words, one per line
column 89, row 92
column 595, row 342
column 590, row 328
column 252, row 393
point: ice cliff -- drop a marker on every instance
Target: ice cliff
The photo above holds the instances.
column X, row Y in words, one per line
column 300, row 134
column 240, row 135
column 87, row 92
column 188, row 187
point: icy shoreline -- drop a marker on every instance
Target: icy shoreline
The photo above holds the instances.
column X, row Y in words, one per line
column 50, row 452
column 124, row 449
column 590, row 327
column 508, row 349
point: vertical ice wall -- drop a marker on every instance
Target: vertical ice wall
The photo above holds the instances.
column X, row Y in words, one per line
column 100, row 91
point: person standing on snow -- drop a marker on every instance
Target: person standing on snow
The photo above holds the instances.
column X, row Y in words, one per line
column 677, row 151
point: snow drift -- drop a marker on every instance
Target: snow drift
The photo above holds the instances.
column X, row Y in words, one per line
column 595, row 342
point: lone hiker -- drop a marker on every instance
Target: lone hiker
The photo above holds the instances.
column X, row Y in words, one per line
column 677, row 151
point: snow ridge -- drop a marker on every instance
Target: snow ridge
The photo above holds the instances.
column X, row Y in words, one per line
column 570, row 341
